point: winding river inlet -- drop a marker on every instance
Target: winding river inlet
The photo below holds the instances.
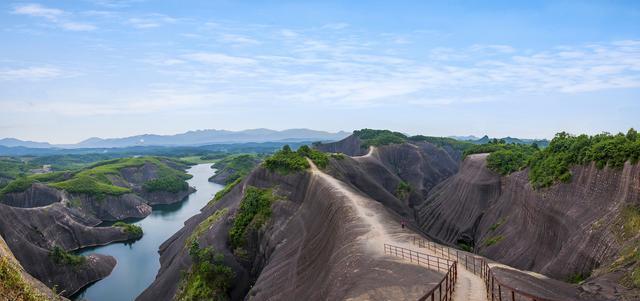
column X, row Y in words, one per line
column 139, row 262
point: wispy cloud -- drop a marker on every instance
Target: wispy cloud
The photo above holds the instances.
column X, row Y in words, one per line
column 218, row 58
column 336, row 26
column 151, row 21
column 238, row 39
column 30, row 73
column 343, row 72
column 54, row 16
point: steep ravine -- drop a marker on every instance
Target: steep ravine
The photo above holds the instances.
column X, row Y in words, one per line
column 561, row 231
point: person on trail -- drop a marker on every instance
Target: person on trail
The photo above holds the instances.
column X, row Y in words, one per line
column 402, row 224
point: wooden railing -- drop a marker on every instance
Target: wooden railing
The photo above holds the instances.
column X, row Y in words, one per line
column 496, row 290
column 444, row 289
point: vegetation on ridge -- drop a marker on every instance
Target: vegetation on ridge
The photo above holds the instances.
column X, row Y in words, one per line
column 208, row 278
column 286, row 160
column 254, row 211
column 62, row 257
column 13, row 286
column 371, row 137
column 97, row 178
column 237, row 166
column 132, row 229
column 552, row 164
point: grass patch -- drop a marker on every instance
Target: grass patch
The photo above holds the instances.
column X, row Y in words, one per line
column 577, row 278
column 208, row 278
column 443, row 142
column 13, row 286
column 198, row 159
column 220, row 194
column 254, row 211
column 62, row 257
column 95, row 179
column 493, row 240
column 497, row 224
column 135, row 230
column 89, row 185
column 172, row 183
column 237, row 166
column 23, row 183
column 465, row 247
column 403, row 190
column 338, row 156
column 206, row 224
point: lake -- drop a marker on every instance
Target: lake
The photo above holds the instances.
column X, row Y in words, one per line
column 139, row 262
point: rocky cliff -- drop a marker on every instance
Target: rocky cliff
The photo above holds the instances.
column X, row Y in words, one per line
column 309, row 248
column 61, row 214
column 32, row 234
column 564, row 231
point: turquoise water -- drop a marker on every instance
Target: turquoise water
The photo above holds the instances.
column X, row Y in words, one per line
column 139, row 262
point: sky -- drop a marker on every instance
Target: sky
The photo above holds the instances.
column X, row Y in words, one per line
column 70, row 70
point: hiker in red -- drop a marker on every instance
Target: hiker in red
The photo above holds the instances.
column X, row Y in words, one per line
column 402, row 223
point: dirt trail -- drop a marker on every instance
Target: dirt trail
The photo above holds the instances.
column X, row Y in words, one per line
column 367, row 155
column 469, row 287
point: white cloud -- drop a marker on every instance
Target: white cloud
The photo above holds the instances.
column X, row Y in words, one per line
column 238, row 39
column 288, row 33
column 218, row 58
column 54, row 16
column 336, row 26
column 316, row 70
column 151, row 21
column 30, row 73
column 37, row 10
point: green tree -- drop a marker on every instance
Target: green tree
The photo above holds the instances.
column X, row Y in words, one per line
column 632, row 135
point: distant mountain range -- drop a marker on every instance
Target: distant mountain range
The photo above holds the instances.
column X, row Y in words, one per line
column 486, row 139
column 191, row 138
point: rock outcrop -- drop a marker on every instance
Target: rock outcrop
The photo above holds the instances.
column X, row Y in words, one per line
column 308, row 250
column 562, row 231
column 31, row 234
column 34, row 286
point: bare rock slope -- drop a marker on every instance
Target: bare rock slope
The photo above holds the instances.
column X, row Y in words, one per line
column 564, row 231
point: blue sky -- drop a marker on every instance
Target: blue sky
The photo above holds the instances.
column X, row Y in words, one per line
column 70, row 70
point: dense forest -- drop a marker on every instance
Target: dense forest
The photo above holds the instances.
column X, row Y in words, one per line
column 552, row 164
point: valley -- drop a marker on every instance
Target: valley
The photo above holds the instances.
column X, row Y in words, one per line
column 327, row 222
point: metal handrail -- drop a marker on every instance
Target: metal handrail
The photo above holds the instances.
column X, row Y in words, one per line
column 495, row 288
column 447, row 283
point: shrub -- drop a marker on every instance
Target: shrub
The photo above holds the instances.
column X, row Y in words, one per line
column 205, row 224
column 220, row 194
column 553, row 163
column 497, row 224
column 169, row 183
column 135, row 230
column 319, row 158
column 577, row 278
column 208, row 278
column 443, row 142
column 62, row 257
column 286, row 161
column 493, row 240
column 338, row 156
column 13, row 286
column 371, row 137
column 403, row 190
column 254, row 211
